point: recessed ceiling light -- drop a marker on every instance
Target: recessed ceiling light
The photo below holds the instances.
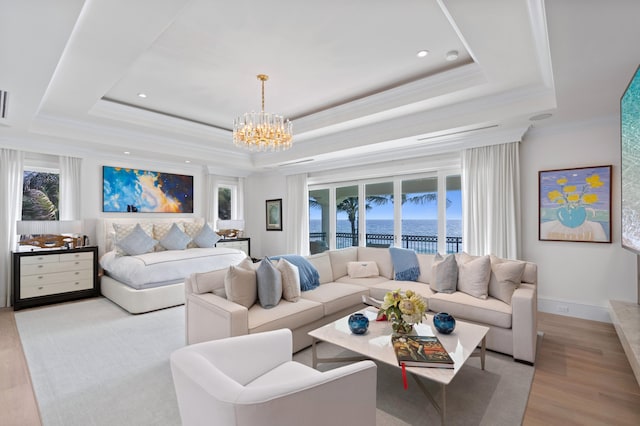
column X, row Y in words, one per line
column 187, row 161
column 142, row 95
column 422, row 53
column 127, row 153
column 451, row 55
column 540, row 117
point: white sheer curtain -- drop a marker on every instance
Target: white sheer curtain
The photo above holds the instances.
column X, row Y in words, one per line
column 296, row 224
column 491, row 207
column 11, row 177
column 210, row 199
column 70, row 188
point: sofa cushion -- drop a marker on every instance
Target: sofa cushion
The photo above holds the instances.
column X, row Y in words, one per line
column 336, row 296
column 322, row 263
column 379, row 255
column 269, row 282
column 175, row 239
column 506, row 276
column 340, row 260
column 530, row 274
column 444, row 274
column 377, row 291
column 290, row 280
column 362, row 269
column 464, row 306
column 240, row 286
column 365, row 282
column 285, row 315
column 473, row 275
column 405, row 264
column 425, row 261
column 136, row 242
column 212, row 281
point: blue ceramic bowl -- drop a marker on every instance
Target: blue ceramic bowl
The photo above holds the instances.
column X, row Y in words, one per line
column 444, row 323
column 358, row 323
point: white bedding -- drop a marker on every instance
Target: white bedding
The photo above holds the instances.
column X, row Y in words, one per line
column 167, row 267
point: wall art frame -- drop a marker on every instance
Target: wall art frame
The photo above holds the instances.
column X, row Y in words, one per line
column 575, row 204
column 135, row 190
column 273, row 210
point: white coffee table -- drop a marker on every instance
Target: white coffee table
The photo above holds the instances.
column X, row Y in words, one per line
column 375, row 344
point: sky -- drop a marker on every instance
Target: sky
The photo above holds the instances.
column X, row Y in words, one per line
column 410, row 211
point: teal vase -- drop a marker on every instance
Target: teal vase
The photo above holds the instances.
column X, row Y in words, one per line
column 572, row 217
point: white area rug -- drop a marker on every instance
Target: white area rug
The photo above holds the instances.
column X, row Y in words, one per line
column 92, row 363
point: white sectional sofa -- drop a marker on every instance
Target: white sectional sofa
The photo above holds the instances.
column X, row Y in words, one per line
column 210, row 316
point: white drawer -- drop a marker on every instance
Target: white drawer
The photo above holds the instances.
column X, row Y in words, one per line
column 30, row 260
column 65, row 287
column 84, row 255
column 55, row 278
column 48, row 268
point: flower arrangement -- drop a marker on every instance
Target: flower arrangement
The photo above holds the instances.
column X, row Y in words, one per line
column 403, row 310
column 569, row 194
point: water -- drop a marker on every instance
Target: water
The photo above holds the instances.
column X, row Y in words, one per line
column 409, row 227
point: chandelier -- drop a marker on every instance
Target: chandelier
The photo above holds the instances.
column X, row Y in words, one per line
column 262, row 131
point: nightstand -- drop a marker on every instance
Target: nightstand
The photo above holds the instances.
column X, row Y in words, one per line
column 51, row 276
column 243, row 244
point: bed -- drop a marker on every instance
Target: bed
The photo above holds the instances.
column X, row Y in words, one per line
column 149, row 281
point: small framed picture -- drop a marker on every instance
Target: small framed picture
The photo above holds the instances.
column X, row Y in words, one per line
column 575, row 205
column 274, row 214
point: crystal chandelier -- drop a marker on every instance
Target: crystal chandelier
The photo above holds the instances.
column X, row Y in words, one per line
column 262, row 131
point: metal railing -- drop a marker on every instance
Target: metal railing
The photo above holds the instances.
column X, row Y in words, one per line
column 419, row 243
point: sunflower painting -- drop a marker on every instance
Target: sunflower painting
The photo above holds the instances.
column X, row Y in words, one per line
column 575, row 204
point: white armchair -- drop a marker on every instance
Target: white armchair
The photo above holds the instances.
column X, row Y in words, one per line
column 252, row 380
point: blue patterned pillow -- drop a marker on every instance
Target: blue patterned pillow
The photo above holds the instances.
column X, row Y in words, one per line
column 175, row 239
column 137, row 242
column 206, row 237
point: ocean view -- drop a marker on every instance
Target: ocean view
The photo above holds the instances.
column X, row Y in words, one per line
column 409, row 227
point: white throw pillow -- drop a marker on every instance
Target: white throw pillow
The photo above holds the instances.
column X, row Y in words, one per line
column 473, row 275
column 240, row 286
column 444, row 274
column 506, row 276
column 362, row 269
column 290, row 280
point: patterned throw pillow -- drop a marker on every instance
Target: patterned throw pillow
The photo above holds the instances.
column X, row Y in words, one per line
column 192, row 229
column 175, row 239
column 136, row 242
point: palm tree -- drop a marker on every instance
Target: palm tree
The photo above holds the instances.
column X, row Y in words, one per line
column 349, row 205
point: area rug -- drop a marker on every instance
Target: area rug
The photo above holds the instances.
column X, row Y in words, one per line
column 92, row 363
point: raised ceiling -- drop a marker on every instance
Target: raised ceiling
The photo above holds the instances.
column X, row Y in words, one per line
column 346, row 73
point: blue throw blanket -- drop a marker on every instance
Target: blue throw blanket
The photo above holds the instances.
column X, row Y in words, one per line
column 405, row 264
column 309, row 275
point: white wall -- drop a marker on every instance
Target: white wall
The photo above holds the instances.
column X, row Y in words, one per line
column 258, row 189
column 576, row 279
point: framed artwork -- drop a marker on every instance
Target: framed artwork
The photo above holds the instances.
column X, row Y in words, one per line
column 274, row 214
column 133, row 190
column 575, row 205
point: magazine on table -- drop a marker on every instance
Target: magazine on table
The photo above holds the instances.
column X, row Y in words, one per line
column 421, row 351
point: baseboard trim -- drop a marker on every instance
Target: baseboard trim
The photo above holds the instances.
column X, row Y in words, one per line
column 576, row 310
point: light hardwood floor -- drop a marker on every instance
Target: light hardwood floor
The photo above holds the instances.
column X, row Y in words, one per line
column 582, row 377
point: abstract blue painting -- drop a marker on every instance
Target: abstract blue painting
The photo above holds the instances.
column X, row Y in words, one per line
column 133, row 190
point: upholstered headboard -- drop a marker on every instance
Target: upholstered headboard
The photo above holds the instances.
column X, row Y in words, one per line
column 105, row 231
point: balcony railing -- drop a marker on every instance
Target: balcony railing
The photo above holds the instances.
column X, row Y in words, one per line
column 419, row 243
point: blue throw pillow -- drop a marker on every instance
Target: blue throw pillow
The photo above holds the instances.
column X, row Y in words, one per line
column 175, row 239
column 137, row 242
column 206, row 237
column 405, row 264
column 309, row 275
column 269, row 284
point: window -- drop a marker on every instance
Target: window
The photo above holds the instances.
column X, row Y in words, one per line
column 40, row 192
column 427, row 217
column 226, row 206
